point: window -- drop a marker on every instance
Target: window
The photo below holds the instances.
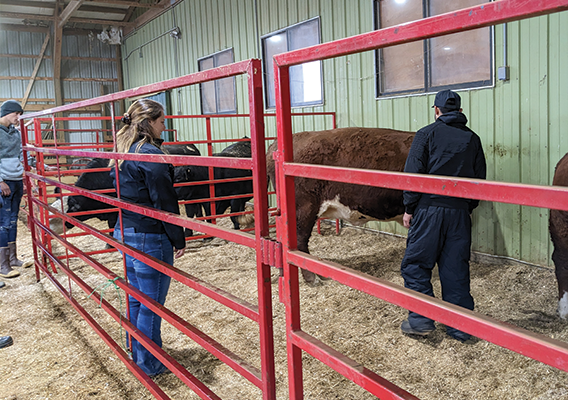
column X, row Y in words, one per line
column 306, row 87
column 218, row 96
column 460, row 60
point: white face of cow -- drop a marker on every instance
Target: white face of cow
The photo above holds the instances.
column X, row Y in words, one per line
column 563, row 306
column 56, row 224
column 334, row 209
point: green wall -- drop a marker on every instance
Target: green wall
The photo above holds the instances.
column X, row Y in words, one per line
column 519, row 121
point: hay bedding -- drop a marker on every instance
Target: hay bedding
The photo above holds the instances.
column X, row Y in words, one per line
column 56, row 355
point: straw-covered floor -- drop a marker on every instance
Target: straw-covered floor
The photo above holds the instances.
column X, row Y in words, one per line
column 56, row 355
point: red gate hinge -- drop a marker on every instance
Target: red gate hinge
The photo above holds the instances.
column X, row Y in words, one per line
column 271, row 252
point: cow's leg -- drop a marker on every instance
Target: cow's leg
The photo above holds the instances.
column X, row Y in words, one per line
column 558, row 233
column 306, row 217
column 560, row 258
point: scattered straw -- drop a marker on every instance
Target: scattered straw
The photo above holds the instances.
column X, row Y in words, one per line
column 56, row 355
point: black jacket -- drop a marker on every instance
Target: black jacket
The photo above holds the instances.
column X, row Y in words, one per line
column 149, row 184
column 446, row 147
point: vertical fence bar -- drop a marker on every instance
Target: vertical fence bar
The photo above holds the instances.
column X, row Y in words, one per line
column 286, row 226
column 260, row 190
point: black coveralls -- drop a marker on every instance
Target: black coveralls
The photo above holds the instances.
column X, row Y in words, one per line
column 440, row 229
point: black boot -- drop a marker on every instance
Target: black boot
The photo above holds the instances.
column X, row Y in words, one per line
column 14, row 262
column 6, row 341
column 5, row 270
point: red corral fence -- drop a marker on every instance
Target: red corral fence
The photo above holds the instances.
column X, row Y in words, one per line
column 538, row 347
column 49, row 264
column 283, row 251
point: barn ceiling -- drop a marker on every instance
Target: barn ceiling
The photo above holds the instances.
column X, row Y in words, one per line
column 95, row 15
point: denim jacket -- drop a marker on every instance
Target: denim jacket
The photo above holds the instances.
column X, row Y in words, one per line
column 149, row 184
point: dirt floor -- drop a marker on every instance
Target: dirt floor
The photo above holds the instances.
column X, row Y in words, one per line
column 56, row 355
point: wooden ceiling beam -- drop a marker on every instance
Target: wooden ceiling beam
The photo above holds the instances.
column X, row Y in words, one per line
column 38, row 17
column 104, row 22
column 24, row 28
column 128, row 3
column 151, row 14
column 24, row 3
column 130, row 12
column 71, row 7
column 51, row 6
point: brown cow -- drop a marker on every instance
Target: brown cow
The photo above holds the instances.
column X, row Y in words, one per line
column 368, row 148
column 558, row 226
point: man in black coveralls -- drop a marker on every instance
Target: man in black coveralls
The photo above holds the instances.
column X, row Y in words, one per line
column 440, row 226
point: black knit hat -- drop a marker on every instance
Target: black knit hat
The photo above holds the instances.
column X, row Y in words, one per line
column 10, row 106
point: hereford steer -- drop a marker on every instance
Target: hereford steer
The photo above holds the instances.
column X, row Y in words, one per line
column 102, row 180
column 558, row 226
column 367, row 148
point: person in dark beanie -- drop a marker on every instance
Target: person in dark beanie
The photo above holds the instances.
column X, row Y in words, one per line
column 440, row 226
column 11, row 186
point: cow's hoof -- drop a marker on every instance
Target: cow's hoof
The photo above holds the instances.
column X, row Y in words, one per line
column 311, row 279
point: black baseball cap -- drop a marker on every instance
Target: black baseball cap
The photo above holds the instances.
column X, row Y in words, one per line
column 448, row 100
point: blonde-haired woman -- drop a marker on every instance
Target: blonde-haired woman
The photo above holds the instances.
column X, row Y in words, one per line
column 149, row 184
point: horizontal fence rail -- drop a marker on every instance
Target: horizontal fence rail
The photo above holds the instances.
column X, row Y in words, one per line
column 539, row 347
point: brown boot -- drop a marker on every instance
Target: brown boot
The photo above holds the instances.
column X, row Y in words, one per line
column 14, row 262
column 5, row 270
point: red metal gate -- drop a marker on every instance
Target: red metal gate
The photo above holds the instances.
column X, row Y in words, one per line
column 263, row 377
column 538, row 347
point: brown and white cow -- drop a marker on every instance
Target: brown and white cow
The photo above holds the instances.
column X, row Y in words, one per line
column 558, row 225
column 368, row 148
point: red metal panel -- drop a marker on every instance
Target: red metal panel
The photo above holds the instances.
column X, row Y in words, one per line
column 539, row 347
column 243, row 307
column 264, row 377
column 516, row 193
column 349, row 368
column 235, row 362
column 536, row 346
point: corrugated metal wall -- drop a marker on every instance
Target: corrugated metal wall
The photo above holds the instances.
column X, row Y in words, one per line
column 81, row 77
column 23, row 43
column 520, row 121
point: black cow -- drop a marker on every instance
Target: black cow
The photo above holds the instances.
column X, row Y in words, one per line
column 201, row 173
column 101, row 180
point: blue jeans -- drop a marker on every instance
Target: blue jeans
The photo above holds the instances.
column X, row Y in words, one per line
column 152, row 283
column 9, row 213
